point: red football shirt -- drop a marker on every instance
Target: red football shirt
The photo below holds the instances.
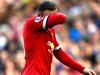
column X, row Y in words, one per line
column 39, row 42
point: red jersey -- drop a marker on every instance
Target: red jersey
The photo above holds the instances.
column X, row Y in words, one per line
column 39, row 42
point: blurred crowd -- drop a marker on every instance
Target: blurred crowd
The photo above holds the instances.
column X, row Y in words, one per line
column 79, row 37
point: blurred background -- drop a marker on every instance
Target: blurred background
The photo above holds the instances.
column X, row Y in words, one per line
column 80, row 38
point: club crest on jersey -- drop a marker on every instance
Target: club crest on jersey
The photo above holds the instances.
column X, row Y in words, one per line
column 51, row 45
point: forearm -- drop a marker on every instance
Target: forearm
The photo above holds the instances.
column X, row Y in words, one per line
column 67, row 60
column 55, row 19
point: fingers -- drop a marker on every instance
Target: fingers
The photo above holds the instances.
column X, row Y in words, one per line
column 92, row 72
column 88, row 72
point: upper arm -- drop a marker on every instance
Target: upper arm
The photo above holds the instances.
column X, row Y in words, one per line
column 46, row 22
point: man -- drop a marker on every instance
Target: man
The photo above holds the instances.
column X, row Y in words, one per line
column 40, row 42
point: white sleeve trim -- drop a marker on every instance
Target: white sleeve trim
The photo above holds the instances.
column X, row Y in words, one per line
column 56, row 48
column 44, row 22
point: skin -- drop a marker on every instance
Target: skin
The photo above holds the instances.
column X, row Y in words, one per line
column 48, row 12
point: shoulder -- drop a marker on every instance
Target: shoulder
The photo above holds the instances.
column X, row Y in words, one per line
column 28, row 23
column 30, row 20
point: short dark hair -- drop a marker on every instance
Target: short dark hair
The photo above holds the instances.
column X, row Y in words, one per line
column 47, row 5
